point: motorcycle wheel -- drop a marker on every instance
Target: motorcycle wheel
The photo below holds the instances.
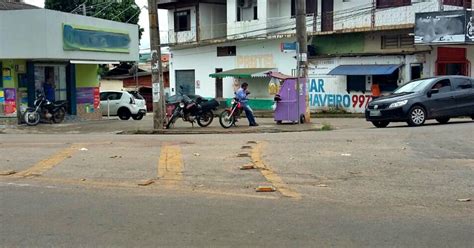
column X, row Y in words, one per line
column 226, row 120
column 31, row 117
column 205, row 119
column 59, row 115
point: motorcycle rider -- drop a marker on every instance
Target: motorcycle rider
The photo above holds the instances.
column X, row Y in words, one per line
column 241, row 95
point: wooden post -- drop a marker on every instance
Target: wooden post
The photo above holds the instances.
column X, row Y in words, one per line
column 156, row 67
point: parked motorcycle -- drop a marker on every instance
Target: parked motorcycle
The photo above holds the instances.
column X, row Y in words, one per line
column 45, row 110
column 229, row 117
column 199, row 111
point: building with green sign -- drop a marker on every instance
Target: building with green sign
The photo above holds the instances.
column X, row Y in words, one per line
column 43, row 49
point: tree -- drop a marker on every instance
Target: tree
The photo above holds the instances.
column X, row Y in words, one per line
column 115, row 10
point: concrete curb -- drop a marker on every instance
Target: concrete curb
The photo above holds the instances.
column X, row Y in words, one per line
column 238, row 130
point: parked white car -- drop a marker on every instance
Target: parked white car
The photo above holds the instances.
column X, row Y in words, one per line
column 124, row 104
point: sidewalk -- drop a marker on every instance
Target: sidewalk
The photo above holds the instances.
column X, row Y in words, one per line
column 145, row 126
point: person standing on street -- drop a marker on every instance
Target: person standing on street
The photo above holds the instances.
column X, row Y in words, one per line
column 241, row 95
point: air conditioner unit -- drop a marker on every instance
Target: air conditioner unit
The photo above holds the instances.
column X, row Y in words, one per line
column 245, row 3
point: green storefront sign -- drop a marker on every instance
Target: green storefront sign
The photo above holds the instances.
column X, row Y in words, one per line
column 84, row 38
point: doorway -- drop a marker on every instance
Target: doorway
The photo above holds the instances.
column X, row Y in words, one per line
column 327, row 15
column 416, row 71
column 219, row 87
column 185, row 82
column 51, row 80
column 452, row 61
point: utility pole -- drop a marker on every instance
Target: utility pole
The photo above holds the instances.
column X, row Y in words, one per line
column 156, row 67
column 302, row 38
column 84, row 11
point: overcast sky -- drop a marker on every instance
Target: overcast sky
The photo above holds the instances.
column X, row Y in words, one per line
column 145, row 42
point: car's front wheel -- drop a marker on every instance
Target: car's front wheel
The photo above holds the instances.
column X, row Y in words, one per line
column 380, row 124
column 416, row 116
column 442, row 120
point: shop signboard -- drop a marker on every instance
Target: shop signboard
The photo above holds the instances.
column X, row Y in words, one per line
column 10, row 101
column 445, row 27
column 84, row 38
column 85, row 95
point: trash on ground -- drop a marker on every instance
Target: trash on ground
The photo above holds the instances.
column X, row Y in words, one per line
column 464, row 200
column 243, row 154
column 246, row 147
column 346, row 154
column 83, row 149
column 322, row 185
column 7, row 173
column 247, row 167
column 251, row 142
column 83, row 179
column 196, row 154
column 146, row 182
column 265, row 189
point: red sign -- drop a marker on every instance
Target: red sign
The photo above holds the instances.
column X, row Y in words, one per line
column 96, row 97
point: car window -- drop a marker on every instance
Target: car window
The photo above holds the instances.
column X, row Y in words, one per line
column 136, row 95
column 103, row 96
column 443, row 85
column 462, row 83
column 115, row 95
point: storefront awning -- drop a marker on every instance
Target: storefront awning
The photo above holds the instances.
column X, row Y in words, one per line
column 243, row 73
column 364, row 70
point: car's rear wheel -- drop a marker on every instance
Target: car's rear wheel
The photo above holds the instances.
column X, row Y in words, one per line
column 472, row 117
column 124, row 114
column 416, row 116
column 380, row 124
column 442, row 120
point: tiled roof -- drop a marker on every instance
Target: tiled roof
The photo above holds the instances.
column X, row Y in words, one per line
column 4, row 5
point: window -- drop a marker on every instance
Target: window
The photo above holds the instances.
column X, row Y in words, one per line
column 247, row 10
column 311, row 7
column 392, row 3
column 255, row 13
column 443, row 86
column 182, row 20
column 460, row 3
column 397, row 41
column 226, row 51
column 110, row 96
column 462, row 84
column 356, row 83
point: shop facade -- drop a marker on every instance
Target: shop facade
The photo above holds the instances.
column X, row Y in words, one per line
column 58, row 54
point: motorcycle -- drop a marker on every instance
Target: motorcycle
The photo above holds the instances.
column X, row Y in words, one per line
column 230, row 116
column 199, row 111
column 45, row 110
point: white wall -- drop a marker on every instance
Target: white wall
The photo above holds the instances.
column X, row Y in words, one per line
column 38, row 34
column 250, row 54
column 246, row 28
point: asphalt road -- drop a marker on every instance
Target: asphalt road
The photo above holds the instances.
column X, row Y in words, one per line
column 356, row 186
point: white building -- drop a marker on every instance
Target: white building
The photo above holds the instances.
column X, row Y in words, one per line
column 374, row 37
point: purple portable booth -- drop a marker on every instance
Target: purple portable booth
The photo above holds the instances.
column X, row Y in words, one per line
column 287, row 104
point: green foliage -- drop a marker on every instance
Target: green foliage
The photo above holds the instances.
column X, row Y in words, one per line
column 115, row 10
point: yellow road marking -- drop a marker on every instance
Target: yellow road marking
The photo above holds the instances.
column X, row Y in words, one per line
column 270, row 175
column 170, row 166
column 48, row 163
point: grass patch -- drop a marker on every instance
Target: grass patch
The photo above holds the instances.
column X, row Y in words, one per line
column 327, row 127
